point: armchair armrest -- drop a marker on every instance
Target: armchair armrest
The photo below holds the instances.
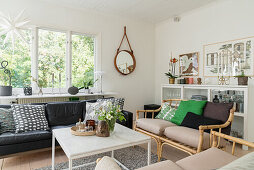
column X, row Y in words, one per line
column 233, row 139
column 146, row 111
column 211, row 127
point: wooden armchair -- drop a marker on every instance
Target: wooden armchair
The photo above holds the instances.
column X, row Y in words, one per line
column 162, row 140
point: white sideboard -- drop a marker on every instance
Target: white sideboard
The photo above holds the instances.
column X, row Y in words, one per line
column 243, row 123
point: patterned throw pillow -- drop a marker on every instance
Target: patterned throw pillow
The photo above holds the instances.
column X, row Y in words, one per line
column 6, row 121
column 29, row 118
column 91, row 108
column 117, row 101
column 112, row 100
column 120, row 102
column 166, row 113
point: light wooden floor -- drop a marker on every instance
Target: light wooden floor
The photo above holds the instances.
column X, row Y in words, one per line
column 43, row 158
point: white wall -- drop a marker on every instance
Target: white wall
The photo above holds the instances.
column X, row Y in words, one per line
column 219, row 21
column 138, row 87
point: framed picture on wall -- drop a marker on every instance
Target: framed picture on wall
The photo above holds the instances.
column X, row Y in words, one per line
column 229, row 58
column 188, row 64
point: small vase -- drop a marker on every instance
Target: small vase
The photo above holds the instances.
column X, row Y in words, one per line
column 40, row 91
column 111, row 125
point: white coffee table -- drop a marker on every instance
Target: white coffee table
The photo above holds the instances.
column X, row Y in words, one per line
column 81, row 146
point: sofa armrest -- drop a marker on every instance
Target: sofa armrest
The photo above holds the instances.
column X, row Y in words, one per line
column 211, row 127
column 129, row 119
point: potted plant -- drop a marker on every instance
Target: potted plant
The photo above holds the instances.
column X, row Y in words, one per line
column 171, row 77
column 87, row 85
column 6, row 89
column 171, row 72
column 110, row 113
column 242, row 79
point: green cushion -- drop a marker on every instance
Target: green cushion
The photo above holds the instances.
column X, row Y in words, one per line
column 166, row 113
column 188, row 106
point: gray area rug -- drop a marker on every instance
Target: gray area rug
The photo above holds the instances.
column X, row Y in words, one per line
column 131, row 157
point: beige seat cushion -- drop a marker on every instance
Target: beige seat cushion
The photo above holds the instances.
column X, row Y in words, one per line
column 187, row 136
column 190, row 136
column 107, row 163
column 156, row 126
column 164, row 165
column 212, row 158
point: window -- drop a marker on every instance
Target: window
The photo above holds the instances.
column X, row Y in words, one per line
column 19, row 60
column 52, row 54
column 82, row 59
column 65, row 63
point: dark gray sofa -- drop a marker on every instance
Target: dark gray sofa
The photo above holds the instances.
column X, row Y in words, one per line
column 59, row 115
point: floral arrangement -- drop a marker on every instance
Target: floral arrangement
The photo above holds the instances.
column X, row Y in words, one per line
column 110, row 113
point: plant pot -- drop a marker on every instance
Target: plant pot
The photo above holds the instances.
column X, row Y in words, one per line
column 171, row 80
column 28, row 91
column 73, row 90
column 242, row 80
column 5, row 90
column 87, row 91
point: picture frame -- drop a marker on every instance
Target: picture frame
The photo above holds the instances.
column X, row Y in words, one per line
column 189, row 64
column 229, row 58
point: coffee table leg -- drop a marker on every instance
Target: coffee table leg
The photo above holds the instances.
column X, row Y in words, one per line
column 112, row 154
column 149, row 153
column 53, row 151
column 70, row 164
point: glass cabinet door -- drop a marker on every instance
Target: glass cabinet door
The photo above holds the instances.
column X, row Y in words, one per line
column 171, row 93
column 228, row 96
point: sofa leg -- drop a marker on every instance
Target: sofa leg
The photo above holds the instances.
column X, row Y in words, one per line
column 159, row 150
column 201, row 138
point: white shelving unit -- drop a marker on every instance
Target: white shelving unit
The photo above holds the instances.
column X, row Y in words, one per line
column 243, row 120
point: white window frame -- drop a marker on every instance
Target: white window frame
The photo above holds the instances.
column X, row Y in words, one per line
column 68, row 59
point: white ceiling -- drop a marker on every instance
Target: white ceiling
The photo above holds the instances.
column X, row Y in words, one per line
column 148, row 10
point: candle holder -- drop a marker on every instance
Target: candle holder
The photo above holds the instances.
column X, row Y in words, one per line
column 59, row 83
column 53, row 77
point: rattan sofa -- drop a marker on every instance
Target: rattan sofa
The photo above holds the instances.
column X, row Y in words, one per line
column 186, row 139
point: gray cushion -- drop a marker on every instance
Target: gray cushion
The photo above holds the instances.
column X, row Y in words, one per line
column 6, row 121
column 212, row 158
column 218, row 111
column 14, row 138
column 244, row 163
column 156, row 126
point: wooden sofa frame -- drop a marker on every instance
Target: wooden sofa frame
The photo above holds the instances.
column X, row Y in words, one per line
column 163, row 140
column 217, row 136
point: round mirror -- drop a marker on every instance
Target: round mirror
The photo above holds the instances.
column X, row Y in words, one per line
column 125, row 62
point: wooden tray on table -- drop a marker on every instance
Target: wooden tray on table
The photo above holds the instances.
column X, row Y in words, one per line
column 77, row 133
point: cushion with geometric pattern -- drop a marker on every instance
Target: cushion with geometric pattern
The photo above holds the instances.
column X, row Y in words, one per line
column 29, row 118
column 167, row 112
column 91, row 109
